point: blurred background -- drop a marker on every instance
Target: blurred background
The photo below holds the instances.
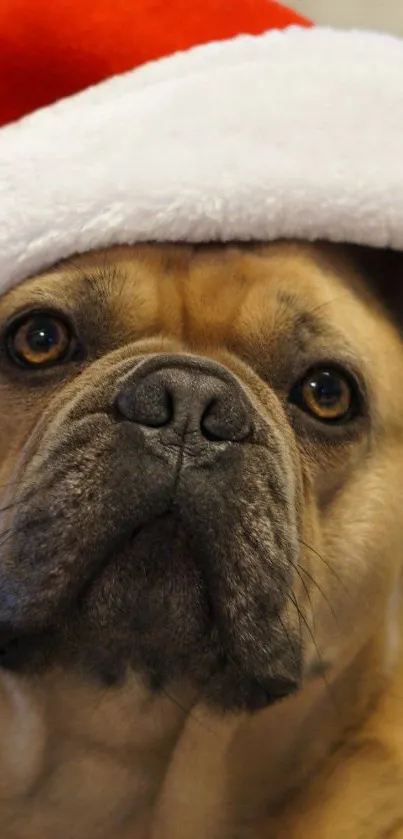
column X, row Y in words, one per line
column 386, row 15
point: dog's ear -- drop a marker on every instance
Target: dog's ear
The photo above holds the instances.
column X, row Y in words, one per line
column 383, row 270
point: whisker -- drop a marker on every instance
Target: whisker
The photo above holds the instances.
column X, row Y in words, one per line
column 12, row 505
column 300, row 626
column 315, row 309
column 320, row 589
column 5, row 536
column 307, row 592
column 289, row 639
column 318, row 653
column 187, row 711
column 322, row 558
column 102, row 280
column 306, row 624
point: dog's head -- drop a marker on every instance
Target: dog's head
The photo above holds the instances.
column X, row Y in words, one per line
column 200, row 458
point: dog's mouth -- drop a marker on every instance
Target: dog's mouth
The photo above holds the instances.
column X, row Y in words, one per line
column 176, row 620
column 226, row 688
column 161, row 544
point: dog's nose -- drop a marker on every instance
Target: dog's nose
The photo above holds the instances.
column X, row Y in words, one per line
column 192, row 397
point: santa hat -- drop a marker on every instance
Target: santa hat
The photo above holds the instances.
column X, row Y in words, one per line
column 211, row 120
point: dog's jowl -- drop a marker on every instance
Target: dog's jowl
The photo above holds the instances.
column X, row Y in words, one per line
column 201, row 546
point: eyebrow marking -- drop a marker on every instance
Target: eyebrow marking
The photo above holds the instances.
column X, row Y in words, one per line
column 310, row 331
column 303, row 320
column 103, row 282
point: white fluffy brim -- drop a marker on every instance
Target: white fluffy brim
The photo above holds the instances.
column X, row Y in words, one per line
column 290, row 134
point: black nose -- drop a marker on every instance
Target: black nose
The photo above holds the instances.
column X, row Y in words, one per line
column 186, row 395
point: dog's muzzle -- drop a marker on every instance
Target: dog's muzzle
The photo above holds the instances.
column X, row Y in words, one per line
column 156, row 527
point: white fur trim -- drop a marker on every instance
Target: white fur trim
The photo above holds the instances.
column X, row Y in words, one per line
column 290, row 134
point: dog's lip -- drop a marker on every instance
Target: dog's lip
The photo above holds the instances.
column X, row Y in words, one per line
column 264, row 694
column 258, row 694
column 14, row 649
column 247, row 692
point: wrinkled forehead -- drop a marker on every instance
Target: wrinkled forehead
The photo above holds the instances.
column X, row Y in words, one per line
column 217, row 295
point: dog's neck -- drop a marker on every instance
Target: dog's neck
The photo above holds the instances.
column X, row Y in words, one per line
column 101, row 753
column 147, row 768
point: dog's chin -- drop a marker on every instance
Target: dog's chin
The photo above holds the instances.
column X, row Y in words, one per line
column 169, row 627
column 227, row 688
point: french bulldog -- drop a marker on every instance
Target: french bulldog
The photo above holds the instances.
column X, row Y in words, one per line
column 201, row 545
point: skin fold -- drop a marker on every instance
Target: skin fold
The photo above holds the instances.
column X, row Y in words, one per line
column 200, row 581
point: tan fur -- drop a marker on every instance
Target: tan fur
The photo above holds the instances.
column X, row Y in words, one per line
column 82, row 762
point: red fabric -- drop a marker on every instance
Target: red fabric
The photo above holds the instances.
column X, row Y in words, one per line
column 53, row 48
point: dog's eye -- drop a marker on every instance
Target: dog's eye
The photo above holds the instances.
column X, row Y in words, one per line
column 327, row 394
column 39, row 341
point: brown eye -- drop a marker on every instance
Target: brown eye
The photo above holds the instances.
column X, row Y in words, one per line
column 328, row 395
column 40, row 341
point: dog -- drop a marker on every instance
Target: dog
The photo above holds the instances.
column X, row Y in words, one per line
column 201, row 495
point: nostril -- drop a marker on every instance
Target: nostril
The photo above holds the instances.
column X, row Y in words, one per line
column 208, row 423
column 225, row 419
column 150, row 404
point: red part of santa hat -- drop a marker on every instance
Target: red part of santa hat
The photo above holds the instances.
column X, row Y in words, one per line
column 52, row 50
column 259, row 129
